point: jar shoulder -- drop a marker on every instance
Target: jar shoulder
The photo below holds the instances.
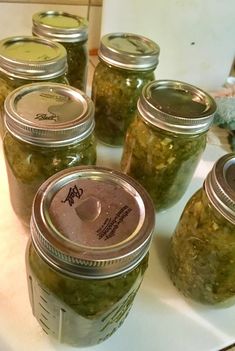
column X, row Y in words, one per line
column 107, row 72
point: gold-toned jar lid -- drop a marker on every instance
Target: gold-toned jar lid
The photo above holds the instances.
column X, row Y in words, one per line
column 32, row 58
column 220, row 186
column 60, row 26
column 92, row 221
column 176, row 107
column 129, row 51
column 49, row 114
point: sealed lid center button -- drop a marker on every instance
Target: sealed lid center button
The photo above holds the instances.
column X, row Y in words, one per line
column 89, row 209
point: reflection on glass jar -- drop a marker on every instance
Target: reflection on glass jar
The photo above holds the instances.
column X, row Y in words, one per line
column 165, row 141
column 83, row 273
column 72, row 32
column 202, row 249
column 127, row 63
column 24, row 60
column 50, row 127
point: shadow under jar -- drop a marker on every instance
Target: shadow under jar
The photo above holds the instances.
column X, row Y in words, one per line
column 72, row 32
column 25, row 60
column 127, row 63
column 202, row 249
column 49, row 128
column 91, row 231
column 167, row 138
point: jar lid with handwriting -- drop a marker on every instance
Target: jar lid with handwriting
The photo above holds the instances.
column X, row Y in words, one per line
column 49, row 114
column 92, row 221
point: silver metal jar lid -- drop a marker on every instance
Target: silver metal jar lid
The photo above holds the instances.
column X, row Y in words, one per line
column 176, row 107
column 60, row 26
column 32, row 58
column 49, row 114
column 92, row 221
column 220, row 186
column 129, row 51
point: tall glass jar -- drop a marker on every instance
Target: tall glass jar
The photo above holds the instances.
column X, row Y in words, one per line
column 25, row 60
column 127, row 63
column 202, row 249
column 91, row 230
column 49, row 128
column 165, row 141
column 72, row 32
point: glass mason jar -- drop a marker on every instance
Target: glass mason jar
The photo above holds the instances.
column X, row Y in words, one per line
column 25, row 60
column 49, row 128
column 127, row 63
column 85, row 267
column 202, row 249
column 72, row 32
column 165, row 141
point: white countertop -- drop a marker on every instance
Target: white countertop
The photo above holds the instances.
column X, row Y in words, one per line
column 160, row 320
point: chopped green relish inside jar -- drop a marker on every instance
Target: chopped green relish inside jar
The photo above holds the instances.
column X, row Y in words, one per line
column 162, row 162
column 202, row 253
column 28, row 166
column 77, row 64
column 115, row 93
column 90, row 298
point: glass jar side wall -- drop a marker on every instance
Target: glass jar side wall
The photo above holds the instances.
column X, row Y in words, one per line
column 28, row 166
column 77, row 56
column 163, row 162
column 79, row 311
column 202, row 253
column 115, row 93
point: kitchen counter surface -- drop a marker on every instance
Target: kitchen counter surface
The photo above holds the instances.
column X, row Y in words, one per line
column 161, row 319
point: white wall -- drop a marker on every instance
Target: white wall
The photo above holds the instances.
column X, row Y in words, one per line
column 196, row 37
column 16, row 19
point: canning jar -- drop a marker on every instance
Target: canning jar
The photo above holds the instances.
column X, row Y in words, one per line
column 202, row 249
column 127, row 63
column 49, row 128
column 166, row 139
column 25, row 60
column 91, row 231
column 72, row 32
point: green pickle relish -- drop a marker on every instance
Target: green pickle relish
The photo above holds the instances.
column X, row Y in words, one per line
column 72, row 32
column 25, row 60
column 202, row 249
column 84, row 268
column 49, row 128
column 127, row 63
column 165, row 141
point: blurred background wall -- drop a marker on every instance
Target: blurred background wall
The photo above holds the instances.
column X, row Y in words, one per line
column 196, row 37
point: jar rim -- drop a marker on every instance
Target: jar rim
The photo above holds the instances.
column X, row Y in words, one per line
column 129, row 51
column 110, row 241
column 59, row 114
column 32, row 58
column 49, row 24
column 219, row 186
column 176, row 106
